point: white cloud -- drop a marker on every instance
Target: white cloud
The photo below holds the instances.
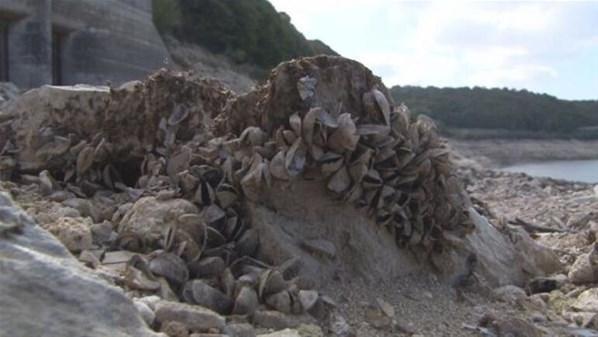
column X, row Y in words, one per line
column 456, row 43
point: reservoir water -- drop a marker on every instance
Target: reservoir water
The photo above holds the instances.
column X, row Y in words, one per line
column 575, row 170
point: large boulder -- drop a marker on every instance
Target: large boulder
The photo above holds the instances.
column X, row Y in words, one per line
column 44, row 291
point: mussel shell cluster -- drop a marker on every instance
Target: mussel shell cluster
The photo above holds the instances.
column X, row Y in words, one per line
column 393, row 167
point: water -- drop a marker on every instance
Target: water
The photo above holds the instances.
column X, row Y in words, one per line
column 575, row 170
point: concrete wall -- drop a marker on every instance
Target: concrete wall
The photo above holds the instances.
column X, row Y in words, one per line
column 101, row 40
column 30, row 46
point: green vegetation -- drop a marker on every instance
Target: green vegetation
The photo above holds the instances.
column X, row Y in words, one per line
column 247, row 31
column 167, row 15
column 489, row 113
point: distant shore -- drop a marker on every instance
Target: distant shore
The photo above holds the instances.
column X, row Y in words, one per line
column 494, row 153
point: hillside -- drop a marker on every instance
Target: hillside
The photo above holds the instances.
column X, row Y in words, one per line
column 501, row 112
column 248, row 32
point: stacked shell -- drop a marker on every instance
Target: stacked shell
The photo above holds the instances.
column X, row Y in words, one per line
column 208, row 258
column 396, row 168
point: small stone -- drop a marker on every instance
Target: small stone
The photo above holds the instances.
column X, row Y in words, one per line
column 239, row 330
column 195, row 317
column 509, row 294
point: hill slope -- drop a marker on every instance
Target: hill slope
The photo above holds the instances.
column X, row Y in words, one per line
column 515, row 111
column 248, row 31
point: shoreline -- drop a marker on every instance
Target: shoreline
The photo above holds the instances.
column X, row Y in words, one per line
column 499, row 153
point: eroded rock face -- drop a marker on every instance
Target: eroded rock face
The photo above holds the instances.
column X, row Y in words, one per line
column 45, row 291
column 290, row 220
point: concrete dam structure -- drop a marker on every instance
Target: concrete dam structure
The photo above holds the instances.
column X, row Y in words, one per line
column 78, row 41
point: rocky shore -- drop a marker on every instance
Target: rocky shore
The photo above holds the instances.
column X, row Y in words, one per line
column 504, row 152
column 308, row 207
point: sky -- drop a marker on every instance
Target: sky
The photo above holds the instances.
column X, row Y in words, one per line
column 545, row 47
